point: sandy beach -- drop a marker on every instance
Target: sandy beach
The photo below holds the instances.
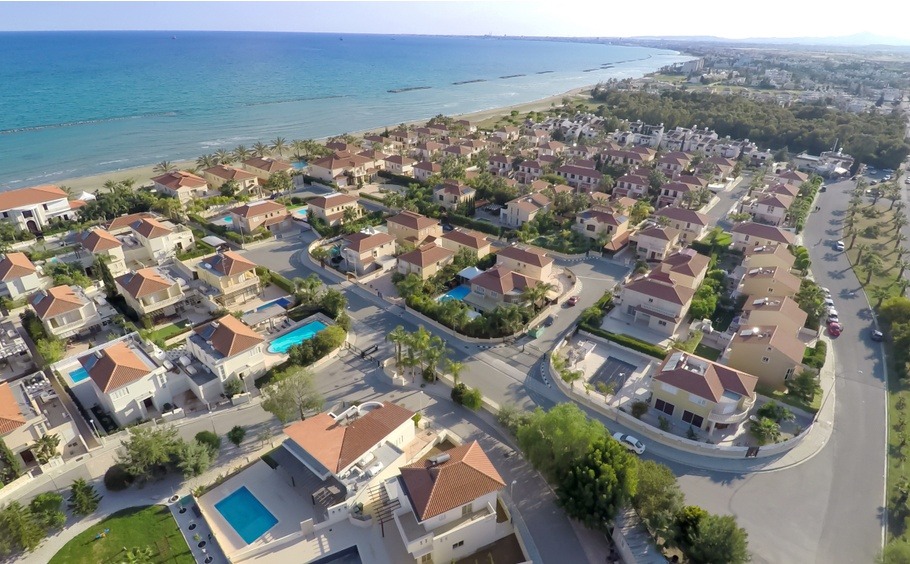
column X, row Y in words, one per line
column 142, row 174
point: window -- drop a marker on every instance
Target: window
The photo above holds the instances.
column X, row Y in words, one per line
column 650, row 300
column 789, row 373
column 458, row 544
column 661, row 405
column 765, row 359
column 466, row 510
column 426, row 558
column 590, row 228
column 691, row 418
column 661, row 322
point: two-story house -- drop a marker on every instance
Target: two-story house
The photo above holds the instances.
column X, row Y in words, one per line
column 750, row 235
column 231, row 277
column 497, row 286
column 635, row 185
column 450, row 195
column 425, row 261
column 500, row 165
column 342, row 168
column 69, row 310
column 151, row 292
column 656, row 301
column 774, row 353
column 264, row 167
column 686, row 267
column 18, row 276
column 603, row 223
column 21, row 422
column 331, row 208
column 655, row 243
column 216, row 176
column 267, row 214
column 411, row 227
column 793, row 177
column 157, row 241
column 33, row 209
column 462, row 238
column 583, row 179
column 106, row 247
column 769, row 256
column 425, row 169
column 702, row 393
column 523, row 209
column 366, row 252
column 529, row 171
column 184, row 186
column 765, row 310
column 769, row 208
column 690, row 224
column 674, row 194
column 530, row 261
column 673, row 163
column 401, row 165
column 507, row 133
column 230, row 350
column 771, row 281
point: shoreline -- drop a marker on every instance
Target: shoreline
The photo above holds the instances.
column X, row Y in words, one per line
column 142, row 174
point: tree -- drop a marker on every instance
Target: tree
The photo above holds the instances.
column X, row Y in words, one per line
column 260, row 149
column 236, row 435
column 551, row 440
column 139, row 555
column 45, row 507
column 192, row 457
column 233, row 387
column 147, row 450
column 224, row 156
column 209, row 439
column 164, row 167
column 307, row 289
column 765, row 430
column 83, row 498
column 320, row 254
column 398, row 336
column 657, row 498
column 718, row 538
column 775, row 412
column 45, row 448
column 804, row 385
column 333, row 302
column 291, row 395
column 454, row 368
column 206, row 161
column 880, row 294
column 279, row 145
column 597, row 485
column 241, row 153
column 279, row 182
column 468, row 397
column 51, row 350
column 229, row 189
column 19, row 529
column 534, row 295
column 895, row 552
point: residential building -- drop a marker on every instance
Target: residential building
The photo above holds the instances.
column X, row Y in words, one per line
column 343, row 168
column 750, row 235
column 70, row 310
column 264, row 167
column 33, row 209
column 216, row 176
column 425, row 169
column 635, row 185
column 106, row 247
column 656, row 302
column 718, row 168
column 507, row 133
column 773, row 353
column 770, row 281
column 530, row 261
column 230, row 350
column 18, row 276
column 793, row 177
column 655, row 243
column 497, row 286
column 770, row 209
column 156, row 241
column 411, row 227
column 425, row 261
column 151, row 292
column 702, row 393
column 529, row 171
column 461, row 238
column 21, row 421
column 690, row 224
column 267, row 214
column 401, row 165
column 331, row 208
column 685, row 267
column 184, row 186
column 448, row 505
column 584, row 179
column 500, row 165
column 452, row 194
column 769, row 256
column 551, row 148
column 231, row 279
column 602, row 223
column 366, row 252
column 673, row 163
column 674, row 194
column 789, row 190
column 523, row 209
column 759, row 311
column 121, row 225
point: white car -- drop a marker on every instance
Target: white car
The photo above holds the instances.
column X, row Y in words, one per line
column 630, row 442
column 827, row 292
column 832, row 318
column 839, row 246
column 829, row 303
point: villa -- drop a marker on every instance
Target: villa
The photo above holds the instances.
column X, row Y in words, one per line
column 425, row 169
column 264, row 167
column 331, row 208
column 425, row 261
column 462, row 238
column 770, row 209
column 635, row 185
column 397, row 164
column 773, row 311
column 690, row 224
column 771, row 281
column 217, row 176
column 451, row 194
column 751, row 235
column 656, row 301
column 497, row 286
column 600, row 222
column 108, row 248
column 343, row 168
column 685, row 267
column 529, row 261
column 33, row 209
column 70, row 310
column 21, row 421
column 185, row 186
column 18, row 276
column 232, row 279
column 229, row 349
column 523, row 209
column 655, row 243
column 267, row 214
column 151, row 292
column 584, row 179
column 365, row 252
column 411, row 227
column 154, row 241
column 773, row 353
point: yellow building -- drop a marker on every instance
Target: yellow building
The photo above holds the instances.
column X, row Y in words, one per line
column 331, row 208
column 461, row 238
column 774, row 353
column 150, row 292
column 411, row 227
column 530, row 261
column 425, row 261
column 232, row 277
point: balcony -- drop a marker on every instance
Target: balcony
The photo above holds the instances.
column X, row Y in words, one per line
column 728, row 412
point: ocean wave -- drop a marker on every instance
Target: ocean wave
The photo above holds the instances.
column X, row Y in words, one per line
column 113, row 162
column 408, row 89
column 85, row 122
column 304, row 99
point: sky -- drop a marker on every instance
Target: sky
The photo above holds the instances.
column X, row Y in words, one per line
column 567, row 18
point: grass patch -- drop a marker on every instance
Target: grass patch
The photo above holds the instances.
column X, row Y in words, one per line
column 783, row 397
column 136, row 527
column 875, row 235
column 705, row 351
column 172, row 330
column 898, row 469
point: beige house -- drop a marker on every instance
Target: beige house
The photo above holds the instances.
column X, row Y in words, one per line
column 21, row 422
column 529, row 171
column 33, row 209
column 331, row 208
column 184, row 186
column 69, row 310
column 150, row 292
column 769, row 208
column 450, row 195
column 216, row 176
column 232, row 278
column 530, row 261
column 674, row 194
column 655, row 243
column 750, row 235
column 497, row 286
column 462, row 238
column 702, row 393
column 692, row 225
column 673, row 163
column 774, row 353
column 603, row 223
column 411, row 227
column 784, row 311
column 264, row 167
column 425, row 169
column 584, row 179
column 156, row 241
column 425, row 261
column 500, row 165
column 686, row 267
column 108, row 248
column 769, row 281
column 793, row 177
column 769, row 256
column 656, row 302
column 365, row 252
column 343, row 168
column 18, row 276
column 267, row 214
column 523, row 209
column 397, row 164
column 230, row 350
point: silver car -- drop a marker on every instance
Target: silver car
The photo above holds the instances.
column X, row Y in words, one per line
column 630, row 442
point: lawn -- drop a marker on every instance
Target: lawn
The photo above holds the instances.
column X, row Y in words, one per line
column 172, row 330
column 783, row 397
column 150, row 526
column 707, row 352
column 875, row 235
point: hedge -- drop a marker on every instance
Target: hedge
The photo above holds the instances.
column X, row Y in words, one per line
column 627, row 341
column 313, row 180
column 277, row 279
column 814, row 357
column 399, row 179
column 464, row 221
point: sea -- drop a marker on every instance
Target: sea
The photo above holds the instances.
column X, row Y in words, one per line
column 81, row 103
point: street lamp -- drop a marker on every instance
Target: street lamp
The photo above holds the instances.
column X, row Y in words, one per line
column 510, row 488
column 92, row 423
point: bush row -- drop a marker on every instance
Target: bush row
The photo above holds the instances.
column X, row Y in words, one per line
column 484, row 226
column 814, row 357
column 627, row 341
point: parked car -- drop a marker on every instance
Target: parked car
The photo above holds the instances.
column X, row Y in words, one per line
column 839, row 246
column 835, row 329
column 823, row 189
column 828, row 301
column 878, row 336
column 549, row 321
column 572, row 301
column 630, row 442
column 827, row 292
column 833, row 318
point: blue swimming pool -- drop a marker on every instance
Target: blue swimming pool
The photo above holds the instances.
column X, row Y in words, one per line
column 283, row 302
column 78, row 375
column 458, row 293
column 246, row 514
column 295, row 337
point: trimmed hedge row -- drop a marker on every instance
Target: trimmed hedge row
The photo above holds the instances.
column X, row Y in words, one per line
column 814, row 357
column 399, row 179
column 276, row 279
column 627, row 341
column 464, row 221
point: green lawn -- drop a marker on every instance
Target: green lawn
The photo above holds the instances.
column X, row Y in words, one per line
column 707, row 352
column 784, row 397
column 171, row 330
column 136, row 527
column 883, row 244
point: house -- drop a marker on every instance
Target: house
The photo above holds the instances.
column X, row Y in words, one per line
column 673, row 163
column 332, row 207
column 603, row 223
column 127, row 383
column 365, row 252
column 70, row 310
column 769, row 256
column 103, row 244
column 633, row 185
column 157, row 240
column 497, row 286
column 216, row 176
column 375, row 160
column 774, row 353
column 770, row 281
column 789, row 190
column 530, row 261
column 33, row 209
column 551, row 148
column 425, row 169
column 793, row 177
column 500, row 165
column 425, row 261
column 692, row 225
column 343, row 168
column 686, row 267
column 267, row 214
column 151, row 292
column 523, row 209
column 674, row 194
column 398, row 164
column 120, row 225
column 655, row 301
column 750, row 235
column 460, row 152
column 18, row 276
column 772, row 311
column 264, row 167
column 584, row 179
column 529, row 171
column 21, row 421
column 451, row 194
column 719, row 168
column 654, row 243
column 411, row 227
column 626, row 157
column 461, row 238
column 448, row 504
column 230, row 350
column 769, row 208
column 184, row 186
column 507, row 133
column 702, row 393
column 231, row 279
column 427, row 149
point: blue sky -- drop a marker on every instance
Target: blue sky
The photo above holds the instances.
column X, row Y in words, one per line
column 773, row 18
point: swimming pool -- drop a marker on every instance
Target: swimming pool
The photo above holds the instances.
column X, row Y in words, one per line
column 300, row 213
column 246, row 514
column 295, row 337
column 226, row 220
column 458, row 293
column 283, row 302
column 78, row 375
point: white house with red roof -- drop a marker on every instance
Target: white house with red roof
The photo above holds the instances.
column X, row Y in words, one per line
column 500, row 165
column 769, row 208
column 70, row 310
column 656, row 301
column 529, row 171
column 218, row 175
column 331, row 207
column 18, row 276
column 425, row 169
column 151, row 292
column 184, row 186
column 397, row 164
column 33, row 209
column 265, row 167
column 230, row 350
column 366, row 252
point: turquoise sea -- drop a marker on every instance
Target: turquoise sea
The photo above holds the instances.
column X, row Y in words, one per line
column 80, row 103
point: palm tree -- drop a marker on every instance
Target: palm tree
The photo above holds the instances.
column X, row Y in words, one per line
column 904, row 265
column 170, row 207
column 299, row 147
column 224, row 156
column 873, row 265
column 898, row 239
column 397, row 336
column 137, row 555
column 432, row 355
column 533, row 295
column 260, row 149
column 164, row 167
column 206, row 161
column 241, row 153
column 880, row 294
column 320, row 254
column 349, row 215
column 280, row 145
column 899, row 221
column 455, row 368
column 46, row 448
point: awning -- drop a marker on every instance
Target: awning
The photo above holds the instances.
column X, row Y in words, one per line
column 470, row 273
column 214, row 241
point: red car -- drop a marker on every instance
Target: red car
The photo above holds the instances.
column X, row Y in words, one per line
column 572, row 301
column 835, row 329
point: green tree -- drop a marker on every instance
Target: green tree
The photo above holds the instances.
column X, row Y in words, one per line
column 552, row 439
column 139, row 555
column 233, row 387
column 192, row 458
column 45, row 507
column 291, row 395
column 206, row 161
column 280, row 182
column 895, row 552
column 229, row 189
column 279, row 145
column 597, row 485
column 19, row 530
column 765, row 430
column 307, row 289
column 718, row 538
column 872, row 264
column 333, row 302
column 210, row 440
column 804, row 385
column 148, row 450
column 45, row 448
column 775, row 412
column 657, row 498
column 468, row 397
column 398, row 336
column 51, row 350
column 454, row 368
column 236, row 435
column 83, row 498
column 241, row 153
column 164, row 167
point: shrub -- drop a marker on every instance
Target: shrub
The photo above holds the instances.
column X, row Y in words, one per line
column 236, row 435
column 468, row 397
column 627, row 341
column 117, row 478
column 210, row 440
column 639, row 408
column 814, row 357
column 663, row 423
column 416, row 419
column 776, row 412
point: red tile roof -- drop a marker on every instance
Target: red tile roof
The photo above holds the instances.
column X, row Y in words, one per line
column 115, row 366
column 332, row 200
column 467, row 238
column 180, row 180
column 360, row 242
column 14, row 266
column 150, row 228
column 669, row 292
column 33, row 196
column 125, row 221
column 527, row 255
column 502, row 280
column 427, row 254
column 11, row 417
column 412, row 220
column 682, row 214
column 97, row 240
column 765, row 232
column 56, row 301
column 268, row 165
column 256, row 209
column 229, row 173
column 711, row 384
column 228, row 263
column 143, row 282
column 229, row 335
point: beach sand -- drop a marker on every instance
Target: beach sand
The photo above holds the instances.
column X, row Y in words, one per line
column 143, row 174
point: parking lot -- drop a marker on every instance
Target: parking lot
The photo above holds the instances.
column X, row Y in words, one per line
column 613, row 371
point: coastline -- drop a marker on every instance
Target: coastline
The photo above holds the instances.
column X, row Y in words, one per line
column 142, row 174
